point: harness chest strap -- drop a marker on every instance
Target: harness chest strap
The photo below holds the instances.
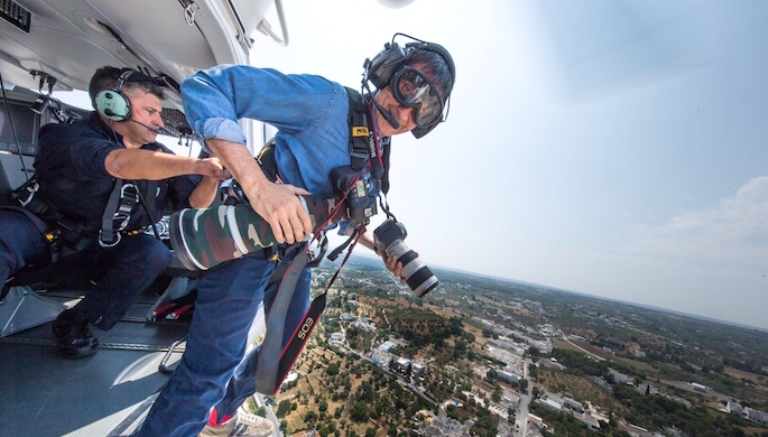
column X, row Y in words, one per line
column 362, row 148
column 117, row 213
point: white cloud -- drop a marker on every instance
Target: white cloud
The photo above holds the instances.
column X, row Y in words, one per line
column 735, row 232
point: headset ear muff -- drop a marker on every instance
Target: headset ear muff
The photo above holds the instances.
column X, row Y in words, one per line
column 114, row 105
column 384, row 65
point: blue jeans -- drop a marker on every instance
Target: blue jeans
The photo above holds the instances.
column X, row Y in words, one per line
column 128, row 269
column 228, row 299
column 125, row 270
column 21, row 244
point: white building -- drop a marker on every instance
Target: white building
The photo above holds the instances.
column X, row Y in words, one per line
column 363, row 324
column 380, row 358
column 386, row 346
column 550, row 364
column 536, row 420
column 402, row 365
column 510, row 377
column 552, row 404
column 510, row 400
column 572, row 404
column 619, row 377
column 590, row 422
column 700, row 387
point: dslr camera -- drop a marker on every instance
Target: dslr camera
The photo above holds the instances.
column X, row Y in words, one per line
column 389, row 238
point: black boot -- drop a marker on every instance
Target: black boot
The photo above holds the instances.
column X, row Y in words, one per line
column 74, row 336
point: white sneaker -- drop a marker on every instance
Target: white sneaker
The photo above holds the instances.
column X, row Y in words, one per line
column 243, row 425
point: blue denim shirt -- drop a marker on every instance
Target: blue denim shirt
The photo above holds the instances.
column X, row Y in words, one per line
column 309, row 111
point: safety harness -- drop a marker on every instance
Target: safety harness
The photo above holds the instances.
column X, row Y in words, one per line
column 365, row 151
column 52, row 223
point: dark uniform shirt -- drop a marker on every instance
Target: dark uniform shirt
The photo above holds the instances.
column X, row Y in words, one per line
column 70, row 169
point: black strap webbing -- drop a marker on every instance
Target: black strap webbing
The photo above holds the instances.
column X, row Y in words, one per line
column 117, row 213
column 359, row 129
column 108, row 236
column 361, row 140
column 268, row 379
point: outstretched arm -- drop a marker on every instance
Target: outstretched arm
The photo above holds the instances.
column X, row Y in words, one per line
column 156, row 165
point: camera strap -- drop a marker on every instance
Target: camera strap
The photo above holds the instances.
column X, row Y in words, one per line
column 270, row 373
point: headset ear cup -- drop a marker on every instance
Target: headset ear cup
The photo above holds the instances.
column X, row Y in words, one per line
column 383, row 66
column 113, row 105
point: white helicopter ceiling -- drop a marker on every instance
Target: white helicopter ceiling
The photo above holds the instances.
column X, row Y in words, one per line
column 67, row 40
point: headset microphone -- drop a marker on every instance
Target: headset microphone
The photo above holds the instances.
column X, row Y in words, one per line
column 387, row 115
column 157, row 130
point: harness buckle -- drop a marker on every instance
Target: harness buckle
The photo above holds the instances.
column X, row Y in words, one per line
column 106, row 245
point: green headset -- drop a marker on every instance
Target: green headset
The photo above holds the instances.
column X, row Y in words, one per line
column 114, row 104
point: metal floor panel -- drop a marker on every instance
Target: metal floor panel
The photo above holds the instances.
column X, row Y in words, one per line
column 43, row 394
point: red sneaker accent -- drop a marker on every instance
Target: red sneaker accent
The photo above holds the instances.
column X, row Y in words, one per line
column 212, row 420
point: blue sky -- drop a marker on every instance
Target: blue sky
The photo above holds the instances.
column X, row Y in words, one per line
column 613, row 148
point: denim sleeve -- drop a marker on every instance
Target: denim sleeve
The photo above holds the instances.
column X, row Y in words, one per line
column 215, row 99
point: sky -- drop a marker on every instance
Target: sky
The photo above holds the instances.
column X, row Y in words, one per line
column 613, row 148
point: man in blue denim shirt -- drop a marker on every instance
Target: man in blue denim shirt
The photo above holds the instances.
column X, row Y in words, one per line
column 311, row 115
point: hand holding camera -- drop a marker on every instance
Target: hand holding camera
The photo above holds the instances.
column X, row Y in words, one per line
column 388, row 238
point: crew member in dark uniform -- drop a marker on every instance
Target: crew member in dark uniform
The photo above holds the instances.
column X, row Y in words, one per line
column 100, row 180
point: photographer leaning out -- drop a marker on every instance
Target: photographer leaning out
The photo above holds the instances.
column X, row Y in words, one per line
column 313, row 116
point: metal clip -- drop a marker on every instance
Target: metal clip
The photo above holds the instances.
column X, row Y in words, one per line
column 127, row 187
column 189, row 11
column 108, row 245
column 32, row 190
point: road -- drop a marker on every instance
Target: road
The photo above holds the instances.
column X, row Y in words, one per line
column 521, row 419
column 258, row 398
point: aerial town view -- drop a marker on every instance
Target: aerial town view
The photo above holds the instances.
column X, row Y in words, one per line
column 483, row 356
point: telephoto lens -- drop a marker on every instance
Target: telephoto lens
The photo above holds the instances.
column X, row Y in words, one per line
column 388, row 237
column 203, row 238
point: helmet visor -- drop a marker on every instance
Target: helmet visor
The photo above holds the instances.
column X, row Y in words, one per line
column 413, row 89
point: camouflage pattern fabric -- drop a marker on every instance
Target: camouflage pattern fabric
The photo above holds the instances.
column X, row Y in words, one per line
column 206, row 237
